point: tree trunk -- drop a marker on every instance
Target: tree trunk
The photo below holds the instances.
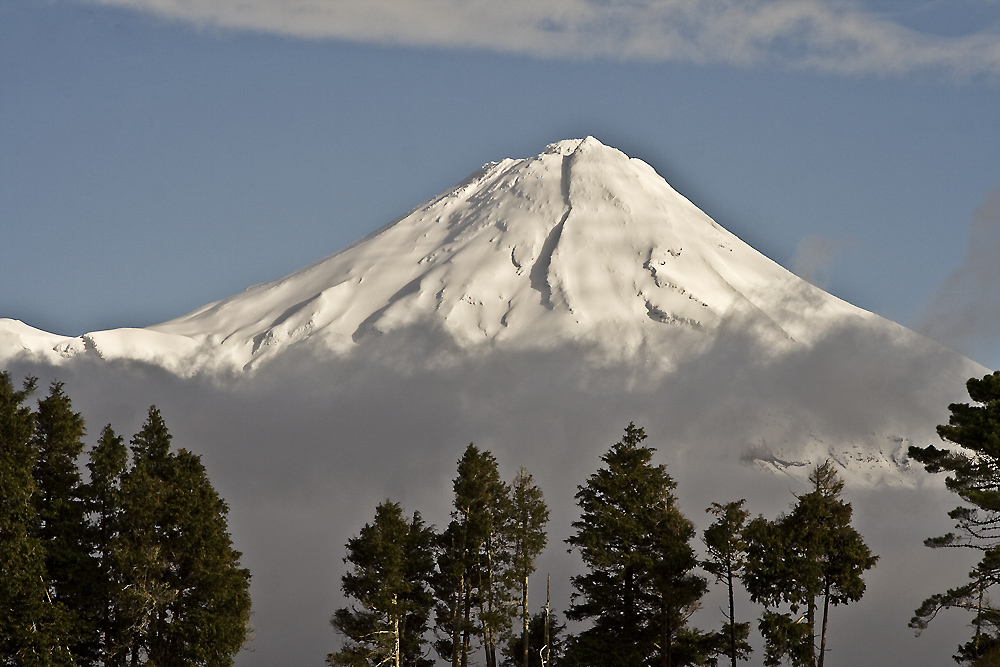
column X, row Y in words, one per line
column 811, row 620
column 466, row 625
column 456, row 626
column 732, row 613
column 395, row 632
column 524, row 620
column 826, row 612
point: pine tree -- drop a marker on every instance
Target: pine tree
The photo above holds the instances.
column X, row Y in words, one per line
column 471, row 591
column 392, row 564
column 529, row 514
column 108, row 463
column 727, row 558
column 184, row 598
column 62, row 525
column 33, row 625
column 805, row 557
column 974, row 467
column 639, row 589
column 514, row 649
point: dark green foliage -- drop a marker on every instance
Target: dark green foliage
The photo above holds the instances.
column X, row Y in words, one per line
column 474, row 558
column 35, row 628
column 103, row 495
column 529, row 514
column 184, row 600
column 639, row 589
column 133, row 568
column 805, row 557
column 392, row 564
column 727, row 558
column 514, row 649
column 62, row 525
column 975, row 477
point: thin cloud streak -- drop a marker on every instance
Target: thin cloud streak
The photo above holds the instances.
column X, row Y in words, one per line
column 966, row 309
column 837, row 37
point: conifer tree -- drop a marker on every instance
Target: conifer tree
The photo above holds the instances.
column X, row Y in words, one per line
column 184, row 598
column 33, row 625
column 537, row 643
column 392, row 564
column 108, row 463
column 809, row 556
column 474, row 558
column 529, row 514
column 62, row 524
column 727, row 558
column 975, row 478
column 639, row 589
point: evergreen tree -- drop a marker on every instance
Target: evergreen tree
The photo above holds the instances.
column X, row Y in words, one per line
column 807, row 556
column 529, row 514
column 514, row 649
column 392, row 565
column 475, row 556
column 184, row 598
column 974, row 467
column 727, row 558
column 62, row 524
column 419, row 572
column 639, row 589
column 34, row 627
column 108, row 463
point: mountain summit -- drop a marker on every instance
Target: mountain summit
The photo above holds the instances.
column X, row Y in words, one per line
column 579, row 244
column 535, row 309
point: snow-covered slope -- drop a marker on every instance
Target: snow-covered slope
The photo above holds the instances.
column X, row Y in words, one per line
column 580, row 243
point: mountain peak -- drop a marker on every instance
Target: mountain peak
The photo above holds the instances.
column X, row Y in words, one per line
column 577, row 244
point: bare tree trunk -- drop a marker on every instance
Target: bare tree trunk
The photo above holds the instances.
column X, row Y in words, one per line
column 826, row 612
column 466, row 624
column 456, row 626
column 732, row 613
column 524, row 620
column 395, row 633
column 546, row 649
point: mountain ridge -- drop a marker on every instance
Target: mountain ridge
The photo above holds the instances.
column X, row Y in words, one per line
column 579, row 243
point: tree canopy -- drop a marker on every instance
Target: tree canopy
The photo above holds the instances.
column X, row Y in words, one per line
column 974, row 467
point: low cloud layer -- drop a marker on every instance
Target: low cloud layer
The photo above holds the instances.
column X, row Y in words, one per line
column 966, row 309
column 304, row 451
column 838, row 36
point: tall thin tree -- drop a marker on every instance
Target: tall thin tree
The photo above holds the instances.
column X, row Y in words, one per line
column 974, row 464
column 809, row 556
column 529, row 515
column 727, row 558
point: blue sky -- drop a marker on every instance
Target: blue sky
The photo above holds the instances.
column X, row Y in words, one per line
column 156, row 155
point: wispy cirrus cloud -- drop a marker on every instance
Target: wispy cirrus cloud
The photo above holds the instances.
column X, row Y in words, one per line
column 828, row 35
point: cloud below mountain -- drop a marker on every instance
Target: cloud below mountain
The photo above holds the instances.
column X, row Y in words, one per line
column 304, row 450
column 842, row 37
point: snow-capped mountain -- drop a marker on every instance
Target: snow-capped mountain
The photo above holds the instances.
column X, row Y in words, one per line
column 580, row 243
column 536, row 308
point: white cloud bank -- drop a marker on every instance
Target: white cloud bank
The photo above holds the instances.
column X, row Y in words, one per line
column 830, row 35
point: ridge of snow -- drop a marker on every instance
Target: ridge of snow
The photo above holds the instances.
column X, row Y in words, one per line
column 580, row 243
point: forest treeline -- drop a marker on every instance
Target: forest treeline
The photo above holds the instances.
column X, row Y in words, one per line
column 464, row 590
column 131, row 564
